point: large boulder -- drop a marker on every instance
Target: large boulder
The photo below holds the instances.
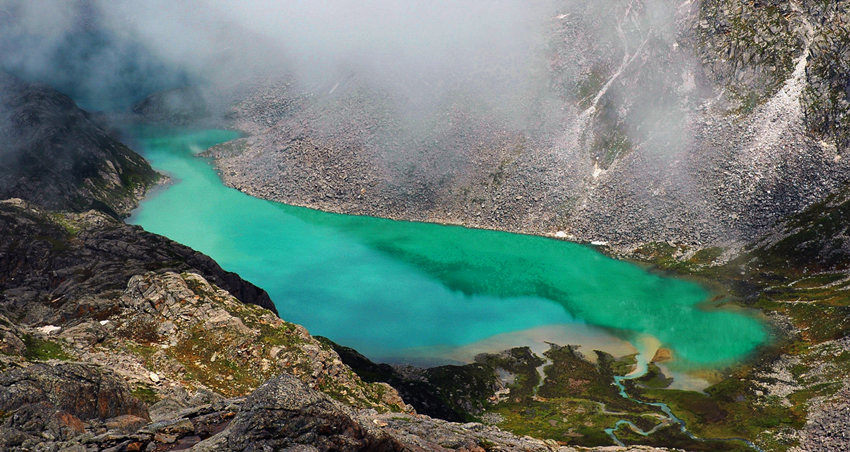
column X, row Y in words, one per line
column 284, row 414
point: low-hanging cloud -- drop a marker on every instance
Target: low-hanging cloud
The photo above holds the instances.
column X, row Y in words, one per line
column 500, row 64
column 410, row 48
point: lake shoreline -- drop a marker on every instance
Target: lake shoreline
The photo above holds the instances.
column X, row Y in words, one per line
column 349, row 225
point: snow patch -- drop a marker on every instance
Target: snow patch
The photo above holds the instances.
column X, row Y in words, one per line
column 49, row 329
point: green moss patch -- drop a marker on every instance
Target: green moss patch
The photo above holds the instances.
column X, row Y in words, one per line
column 145, row 393
column 38, row 349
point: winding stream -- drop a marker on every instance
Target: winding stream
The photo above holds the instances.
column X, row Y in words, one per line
column 671, row 418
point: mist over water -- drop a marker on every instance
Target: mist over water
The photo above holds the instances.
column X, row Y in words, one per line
column 470, row 71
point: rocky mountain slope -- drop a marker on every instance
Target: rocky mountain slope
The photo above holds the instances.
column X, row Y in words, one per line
column 58, row 156
column 703, row 123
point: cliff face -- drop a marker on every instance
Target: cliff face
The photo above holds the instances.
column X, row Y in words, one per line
column 54, row 154
column 704, row 123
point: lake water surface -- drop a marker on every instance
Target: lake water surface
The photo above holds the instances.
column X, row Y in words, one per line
column 418, row 292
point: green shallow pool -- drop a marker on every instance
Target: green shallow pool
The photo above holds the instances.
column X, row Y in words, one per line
column 396, row 290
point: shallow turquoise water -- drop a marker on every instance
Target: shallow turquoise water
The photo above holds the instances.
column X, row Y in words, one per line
column 389, row 287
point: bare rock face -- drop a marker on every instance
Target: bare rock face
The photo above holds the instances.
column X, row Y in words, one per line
column 57, row 400
column 10, row 338
column 826, row 99
column 65, row 257
column 85, row 391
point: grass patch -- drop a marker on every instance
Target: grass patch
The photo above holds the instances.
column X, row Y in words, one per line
column 38, row 349
column 818, row 280
column 60, row 220
column 719, row 416
column 145, row 352
column 145, row 393
column 570, row 421
column 223, row 374
column 706, row 256
column 587, row 88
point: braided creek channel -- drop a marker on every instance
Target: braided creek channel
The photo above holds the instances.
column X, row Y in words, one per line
column 421, row 293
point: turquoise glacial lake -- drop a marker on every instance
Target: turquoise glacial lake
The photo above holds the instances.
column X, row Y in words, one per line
column 425, row 293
